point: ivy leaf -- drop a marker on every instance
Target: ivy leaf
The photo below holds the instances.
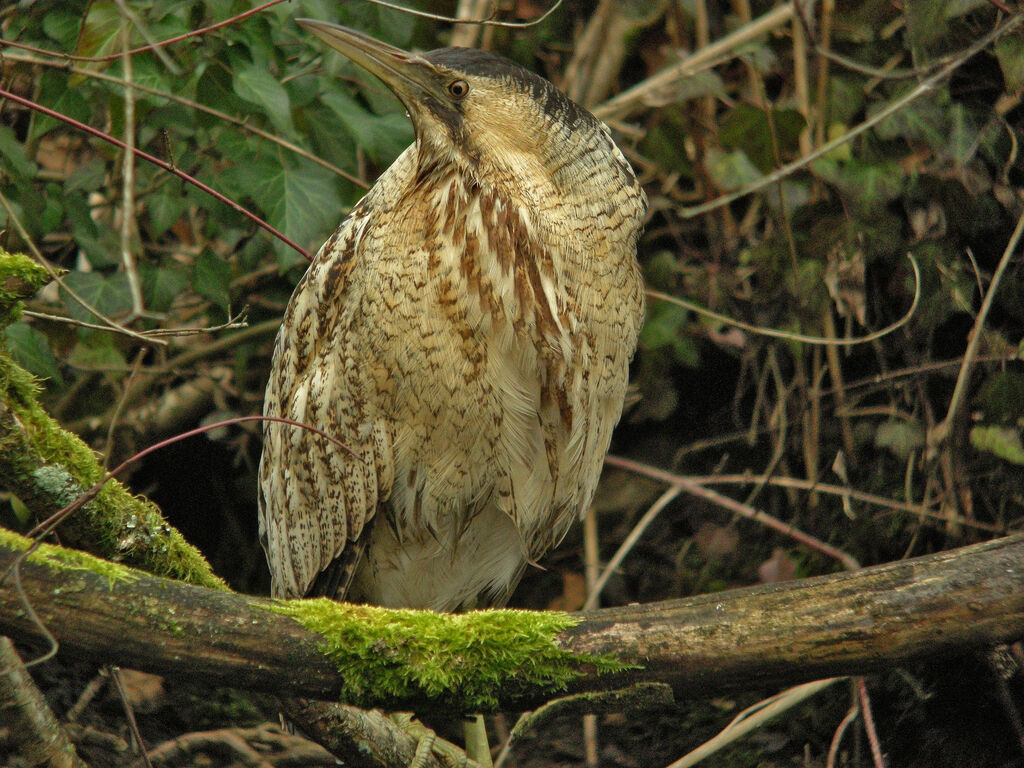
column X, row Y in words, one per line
column 96, row 352
column 1010, row 52
column 255, row 84
column 301, row 199
column 731, row 170
column 56, row 95
column 87, row 177
column 382, row 136
column 962, row 139
column 61, row 24
column 101, row 32
column 161, row 286
column 214, row 89
column 899, row 437
column 666, row 327
column 1003, row 442
column 211, row 279
column 12, row 154
column 165, row 207
column 747, row 128
column 922, row 120
column 31, row 350
column 98, row 243
column 1002, row 397
column 870, row 184
column 108, row 295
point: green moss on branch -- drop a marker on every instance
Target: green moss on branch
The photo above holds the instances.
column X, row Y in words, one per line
column 48, row 468
column 64, row 559
column 470, row 657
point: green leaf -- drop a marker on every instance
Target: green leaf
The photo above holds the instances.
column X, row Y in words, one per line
column 213, row 89
column 731, row 170
column 108, row 295
column 1010, row 52
column 383, row 137
column 211, row 279
column 87, row 177
column 666, row 327
column 869, row 184
column 747, row 128
column 61, row 24
column 922, row 120
column 161, row 285
column 53, row 210
column 300, row 199
column 165, row 207
column 255, row 84
column 1002, row 397
column 661, row 268
column 387, row 24
column 1003, row 442
column 101, row 32
column 56, row 95
column 12, row 154
column 96, row 352
column 99, row 244
column 899, row 437
column 31, row 350
column 962, row 133
column 147, row 72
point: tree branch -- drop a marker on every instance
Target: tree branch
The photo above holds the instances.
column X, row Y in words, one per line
column 849, row 623
column 48, row 468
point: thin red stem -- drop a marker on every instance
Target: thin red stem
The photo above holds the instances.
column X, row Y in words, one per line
column 143, row 49
column 157, row 162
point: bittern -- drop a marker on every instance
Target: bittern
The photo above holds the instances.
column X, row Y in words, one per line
column 465, row 332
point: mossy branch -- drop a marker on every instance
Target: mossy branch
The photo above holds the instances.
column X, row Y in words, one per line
column 48, row 468
column 848, row 623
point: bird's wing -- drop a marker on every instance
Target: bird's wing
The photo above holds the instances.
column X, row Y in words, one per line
column 316, row 497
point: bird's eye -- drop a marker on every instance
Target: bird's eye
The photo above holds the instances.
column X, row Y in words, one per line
column 458, row 89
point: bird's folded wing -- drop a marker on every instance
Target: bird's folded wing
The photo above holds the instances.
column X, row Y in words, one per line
column 315, row 496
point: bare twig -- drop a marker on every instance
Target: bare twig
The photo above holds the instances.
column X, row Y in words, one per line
column 790, row 336
column 754, row 717
column 941, row 430
column 128, row 180
column 488, row 22
column 695, row 488
column 34, row 729
column 869, row 723
column 640, row 94
column 837, row 737
column 794, row 482
column 129, row 713
column 88, row 694
column 634, row 535
column 924, row 87
column 284, row 748
column 465, row 34
column 58, row 278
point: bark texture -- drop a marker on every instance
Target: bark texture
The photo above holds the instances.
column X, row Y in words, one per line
column 849, row 623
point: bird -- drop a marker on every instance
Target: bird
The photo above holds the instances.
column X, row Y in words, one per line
column 465, row 333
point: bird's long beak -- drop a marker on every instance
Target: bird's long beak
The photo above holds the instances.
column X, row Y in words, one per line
column 412, row 78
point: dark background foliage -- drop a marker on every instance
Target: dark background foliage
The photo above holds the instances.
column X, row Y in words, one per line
column 298, row 133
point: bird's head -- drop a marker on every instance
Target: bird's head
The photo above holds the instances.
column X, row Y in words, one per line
column 483, row 112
